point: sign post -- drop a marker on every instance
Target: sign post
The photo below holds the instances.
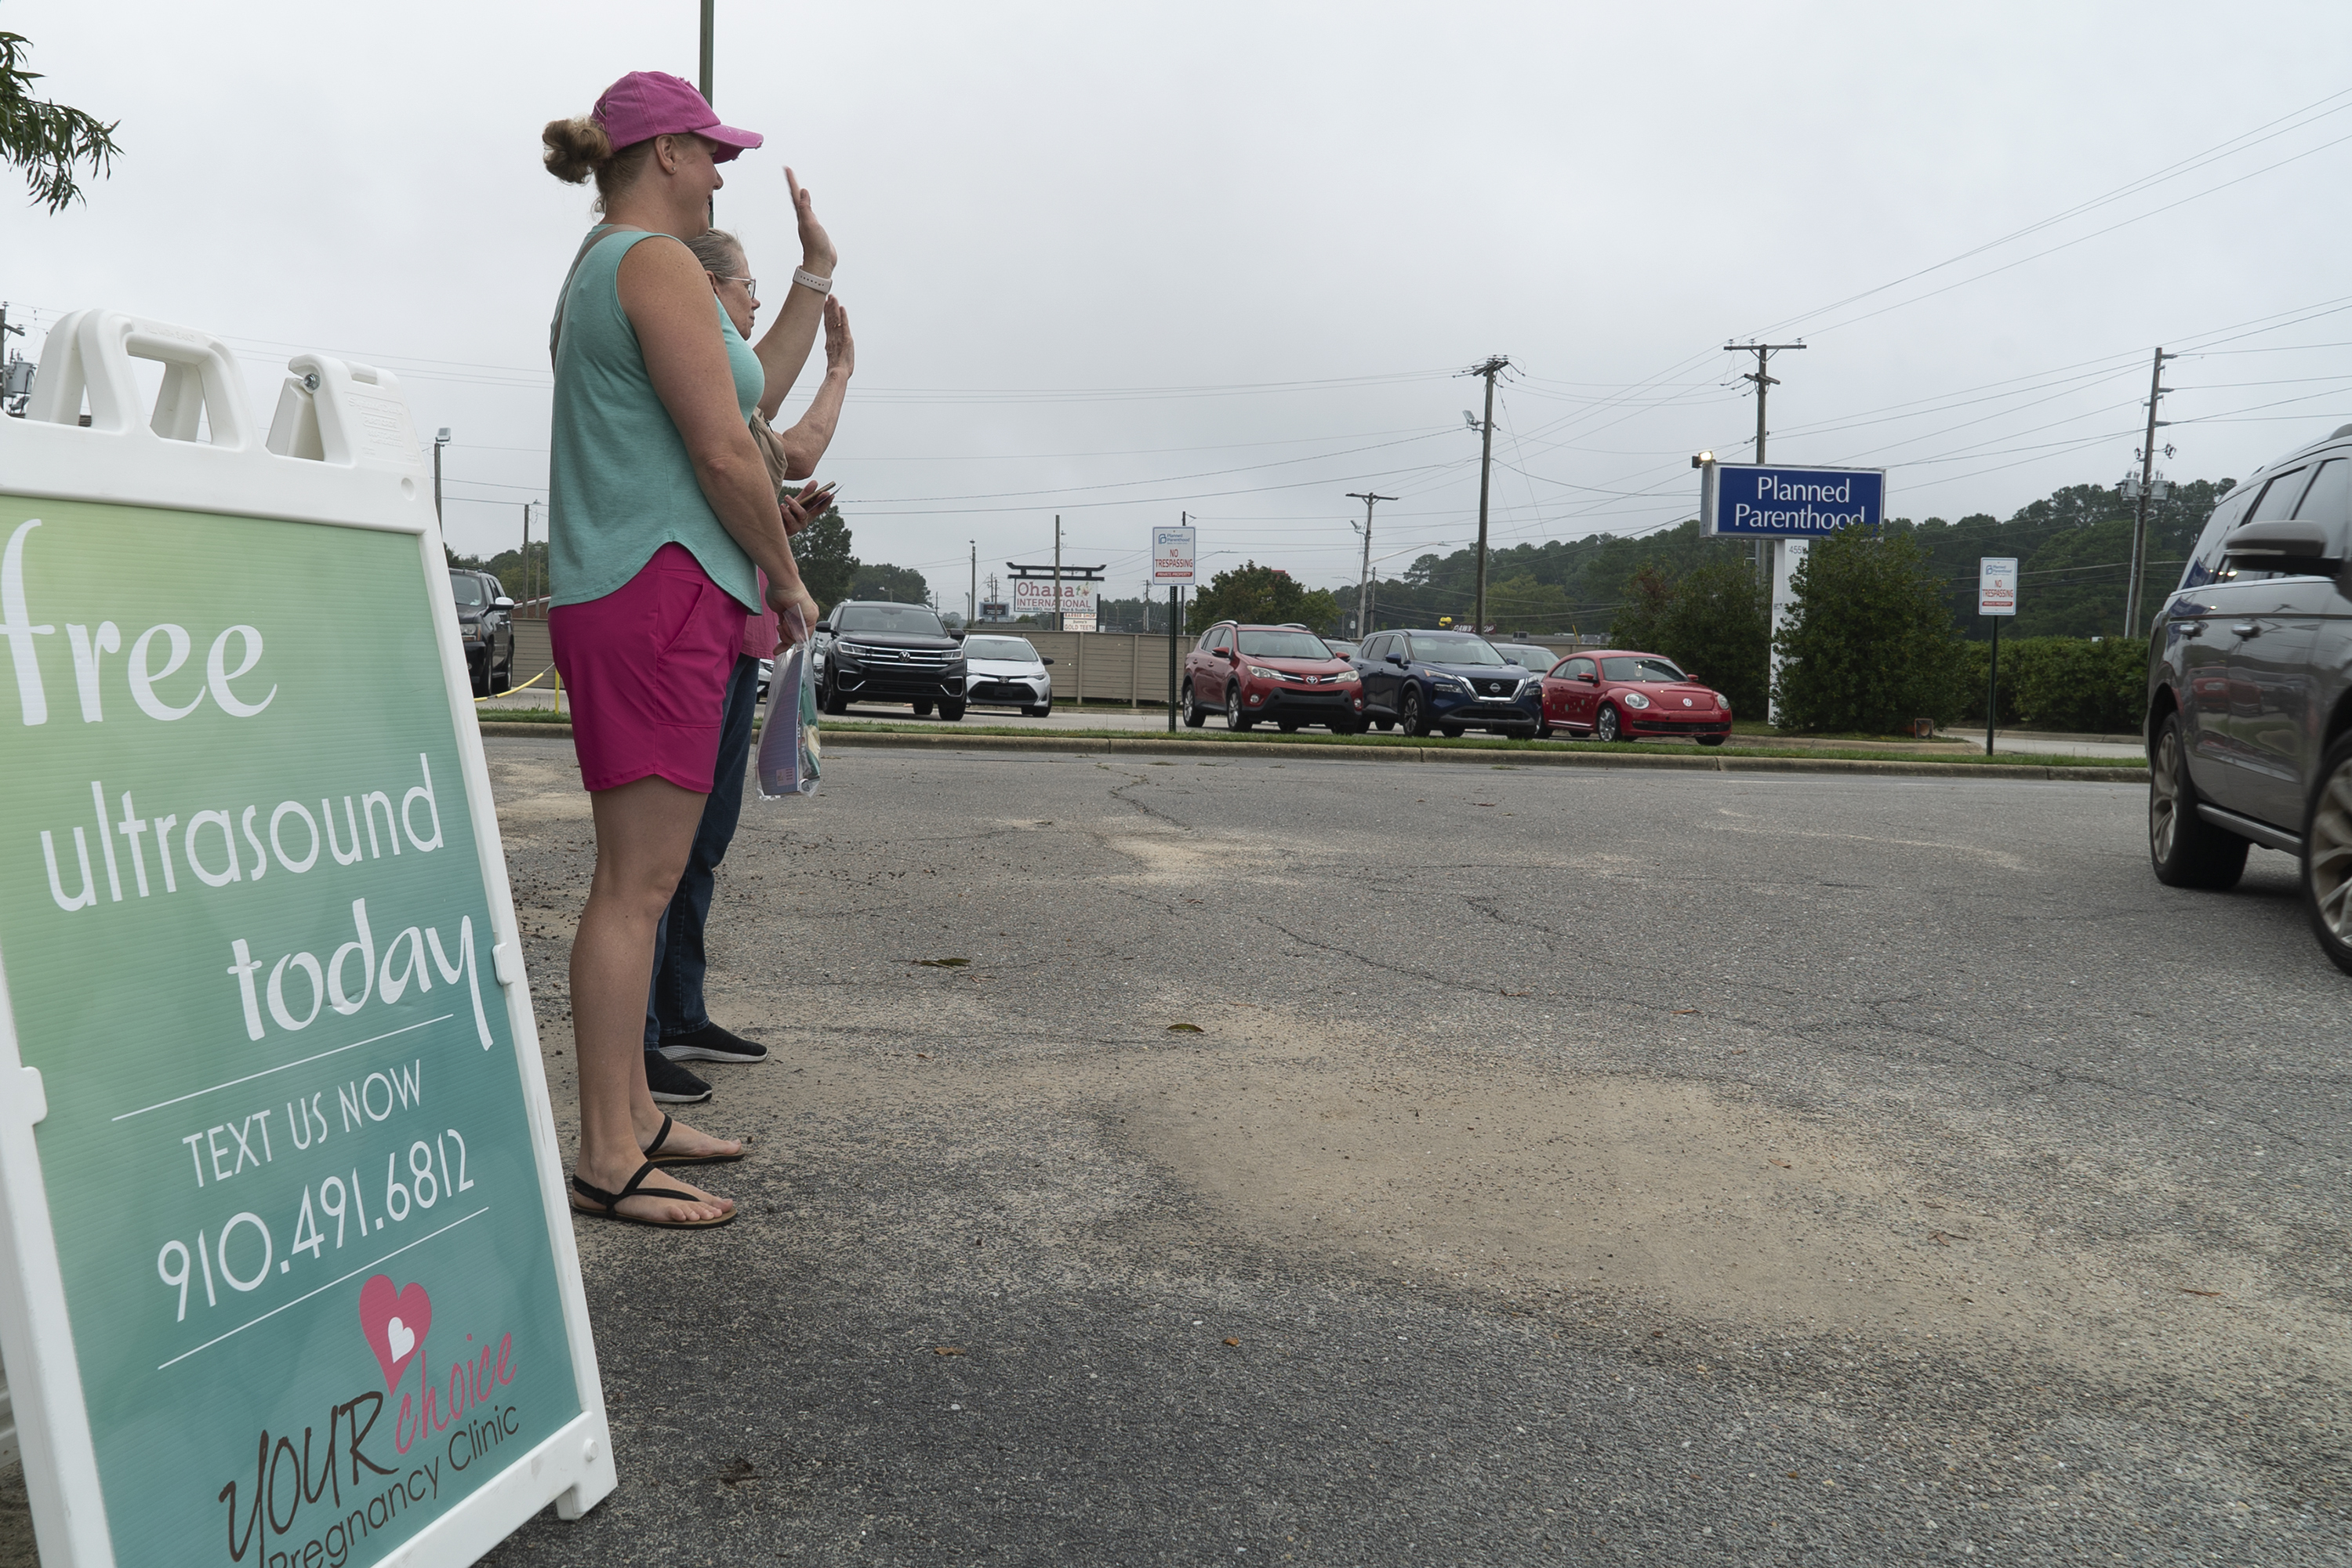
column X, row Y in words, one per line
column 287, row 1272
column 1996, row 597
column 1173, row 551
column 1794, row 505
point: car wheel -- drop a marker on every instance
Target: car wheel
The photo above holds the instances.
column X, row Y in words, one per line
column 922, row 710
column 831, row 699
column 951, row 711
column 1383, row 725
column 2327, row 856
column 2185, row 850
column 481, row 679
column 1451, row 732
column 1409, row 719
column 1234, row 717
column 1710, row 739
column 1287, row 726
column 1194, row 714
column 1038, row 712
column 1543, row 728
column 1605, row 728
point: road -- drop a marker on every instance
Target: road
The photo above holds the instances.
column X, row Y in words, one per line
column 1569, row 1167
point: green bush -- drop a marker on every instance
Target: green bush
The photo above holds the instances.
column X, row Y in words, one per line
column 2084, row 685
column 1868, row 646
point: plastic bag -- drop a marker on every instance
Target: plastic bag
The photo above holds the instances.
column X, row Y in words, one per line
column 789, row 749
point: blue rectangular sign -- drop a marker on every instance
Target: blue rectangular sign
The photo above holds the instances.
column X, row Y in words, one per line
column 1765, row 500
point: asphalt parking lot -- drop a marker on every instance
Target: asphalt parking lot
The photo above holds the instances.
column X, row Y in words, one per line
column 1587, row 1167
column 1591, row 1168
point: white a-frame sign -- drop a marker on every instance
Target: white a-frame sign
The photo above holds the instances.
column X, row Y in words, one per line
column 285, row 1268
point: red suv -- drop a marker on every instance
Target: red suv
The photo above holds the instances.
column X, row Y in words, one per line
column 1282, row 673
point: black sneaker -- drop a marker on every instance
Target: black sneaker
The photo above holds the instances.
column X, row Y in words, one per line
column 712, row 1044
column 672, row 1084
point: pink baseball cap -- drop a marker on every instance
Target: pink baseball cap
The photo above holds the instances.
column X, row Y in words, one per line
column 645, row 104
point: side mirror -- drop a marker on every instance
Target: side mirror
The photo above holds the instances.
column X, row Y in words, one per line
column 1045, row 661
column 958, row 636
column 502, row 603
column 2273, row 546
column 1396, row 659
column 1228, row 655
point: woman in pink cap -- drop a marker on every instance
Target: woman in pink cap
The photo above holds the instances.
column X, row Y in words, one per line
column 661, row 519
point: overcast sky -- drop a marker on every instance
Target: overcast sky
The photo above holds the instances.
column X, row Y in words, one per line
column 1119, row 263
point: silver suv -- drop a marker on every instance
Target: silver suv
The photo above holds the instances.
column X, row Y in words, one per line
column 2250, row 690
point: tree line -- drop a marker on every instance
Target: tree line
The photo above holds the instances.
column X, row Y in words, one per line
column 828, row 565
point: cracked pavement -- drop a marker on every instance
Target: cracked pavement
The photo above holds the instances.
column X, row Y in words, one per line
column 1568, row 1167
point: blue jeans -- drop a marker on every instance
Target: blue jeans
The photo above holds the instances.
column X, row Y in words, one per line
column 673, row 1007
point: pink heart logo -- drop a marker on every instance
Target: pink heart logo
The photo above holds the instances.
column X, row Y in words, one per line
column 395, row 1322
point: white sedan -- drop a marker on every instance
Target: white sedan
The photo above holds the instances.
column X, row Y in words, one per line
column 1006, row 672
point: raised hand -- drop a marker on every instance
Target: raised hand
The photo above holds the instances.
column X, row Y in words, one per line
column 840, row 348
column 817, row 254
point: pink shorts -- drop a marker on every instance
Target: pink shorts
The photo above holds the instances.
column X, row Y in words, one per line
column 644, row 673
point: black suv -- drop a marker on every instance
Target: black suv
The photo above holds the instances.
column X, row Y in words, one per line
column 2250, row 690
column 486, row 628
column 878, row 652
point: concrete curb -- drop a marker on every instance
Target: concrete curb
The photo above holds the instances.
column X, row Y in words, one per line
column 1141, row 746
column 1095, row 745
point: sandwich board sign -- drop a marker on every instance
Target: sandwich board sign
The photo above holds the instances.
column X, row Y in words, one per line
column 287, row 1274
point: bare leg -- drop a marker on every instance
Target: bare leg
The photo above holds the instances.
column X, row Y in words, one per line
column 644, row 831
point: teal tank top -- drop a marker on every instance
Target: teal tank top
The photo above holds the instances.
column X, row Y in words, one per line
column 620, row 484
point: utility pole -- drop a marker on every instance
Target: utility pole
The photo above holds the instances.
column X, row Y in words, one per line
column 2156, row 389
column 1364, row 578
column 710, row 26
column 1776, row 559
column 1494, row 366
column 971, row 604
column 440, row 440
column 1057, row 572
column 1764, row 381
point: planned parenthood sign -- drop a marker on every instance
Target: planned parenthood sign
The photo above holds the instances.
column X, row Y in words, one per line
column 1763, row 501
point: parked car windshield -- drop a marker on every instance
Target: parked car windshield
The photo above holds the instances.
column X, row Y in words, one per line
column 905, row 620
column 468, row 587
column 1283, row 645
column 1012, row 650
column 1528, row 655
column 1649, row 666
column 1445, row 649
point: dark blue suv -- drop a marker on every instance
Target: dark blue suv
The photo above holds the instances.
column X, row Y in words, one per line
column 1445, row 681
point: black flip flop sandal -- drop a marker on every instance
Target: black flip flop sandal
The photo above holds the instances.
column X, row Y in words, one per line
column 612, row 1201
column 652, row 1154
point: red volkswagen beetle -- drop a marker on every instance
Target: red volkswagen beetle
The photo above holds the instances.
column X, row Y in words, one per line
column 1614, row 695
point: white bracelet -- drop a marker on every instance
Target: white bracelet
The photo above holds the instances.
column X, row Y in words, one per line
column 807, row 279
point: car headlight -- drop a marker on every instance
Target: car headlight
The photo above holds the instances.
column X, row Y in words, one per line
column 1444, row 683
column 1635, row 700
column 1347, row 678
column 1262, row 673
column 1723, row 702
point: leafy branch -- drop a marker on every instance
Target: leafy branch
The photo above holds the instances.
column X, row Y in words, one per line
column 47, row 140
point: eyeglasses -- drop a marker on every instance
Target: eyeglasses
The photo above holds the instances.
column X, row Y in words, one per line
column 750, row 285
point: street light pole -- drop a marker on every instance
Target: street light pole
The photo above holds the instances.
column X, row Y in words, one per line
column 440, row 440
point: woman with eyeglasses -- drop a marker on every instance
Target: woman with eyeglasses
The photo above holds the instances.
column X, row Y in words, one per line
column 679, row 1027
column 662, row 520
